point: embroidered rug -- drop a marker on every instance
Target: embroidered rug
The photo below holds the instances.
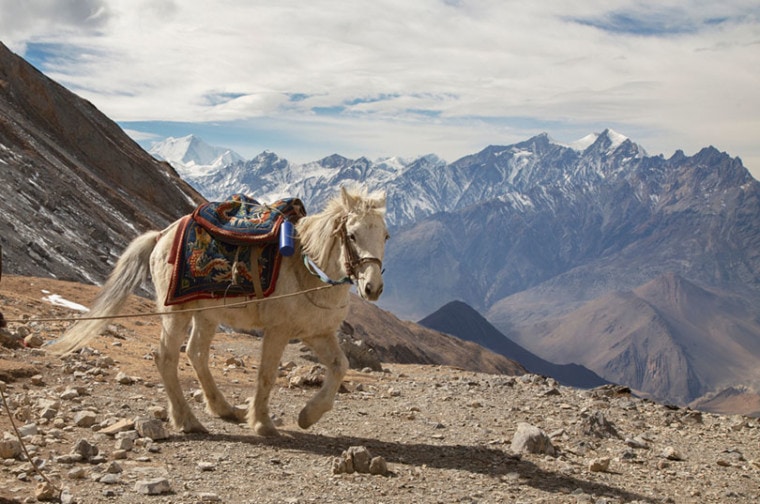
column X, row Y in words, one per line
column 214, row 249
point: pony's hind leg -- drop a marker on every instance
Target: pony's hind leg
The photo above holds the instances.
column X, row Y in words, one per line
column 271, row 352
column 198, row 352
column 173, row 331
column 331, row 356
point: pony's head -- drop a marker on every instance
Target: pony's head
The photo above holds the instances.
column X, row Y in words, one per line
column 354, row 223
column 363, row 234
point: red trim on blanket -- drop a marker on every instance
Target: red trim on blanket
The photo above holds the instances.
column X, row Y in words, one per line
column 175, row 258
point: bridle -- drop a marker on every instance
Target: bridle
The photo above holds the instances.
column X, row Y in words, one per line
column 352, row 260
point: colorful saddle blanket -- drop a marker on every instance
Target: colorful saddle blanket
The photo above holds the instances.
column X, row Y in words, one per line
column 222, row 246
column 243, row 220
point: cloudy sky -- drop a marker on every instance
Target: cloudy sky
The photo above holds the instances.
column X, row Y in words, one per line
column 396, row 77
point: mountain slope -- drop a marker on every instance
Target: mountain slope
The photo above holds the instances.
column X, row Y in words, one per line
column 77, row 187
column 404, row 342
column 668, row 338
column 462, row 321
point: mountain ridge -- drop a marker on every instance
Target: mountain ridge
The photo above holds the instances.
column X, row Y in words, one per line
column 460, row 320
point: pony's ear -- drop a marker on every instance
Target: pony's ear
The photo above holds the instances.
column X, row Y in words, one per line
column 349, row 201
column 380, row 201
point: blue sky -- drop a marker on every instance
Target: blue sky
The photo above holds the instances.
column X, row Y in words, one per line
column 393, row 77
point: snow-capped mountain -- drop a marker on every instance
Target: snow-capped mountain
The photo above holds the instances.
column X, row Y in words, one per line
column 417, row 187
column 191, row 156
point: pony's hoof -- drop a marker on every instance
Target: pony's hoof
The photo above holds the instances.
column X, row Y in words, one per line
column 265, row 430
column 195, row 427
column 236, row 414
column 304, row 421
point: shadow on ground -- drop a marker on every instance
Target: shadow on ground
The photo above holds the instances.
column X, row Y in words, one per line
column 476, row 459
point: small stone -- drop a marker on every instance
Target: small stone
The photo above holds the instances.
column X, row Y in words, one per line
column 360, row 457
column 37, row 380
column 208, row 497
column 340, row 466
column 151, row 428
column 597, row 425
column 48, row 413
column 124, row 444
column 158, row 412
column 114, row 468
column 29, row 429
column 70, row 393
column 636, row 442
column 235, row 361
column 119, row 454
column 67, row 497
column 34, row 341
column 206, row 466
column 601, row 464
column 9, row 448
column 45, row 492
column 531, row 439
column 154, row 486
column 553, row 391
column 77, row 473
column 671, row 453
column 85, row 449
column 110, row 479
column 124, row 379
column 378, row 466
column 120, row 426
column 85, row 419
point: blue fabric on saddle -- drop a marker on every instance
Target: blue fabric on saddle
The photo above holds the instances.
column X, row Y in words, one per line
column 244, row 221
column 215, row 248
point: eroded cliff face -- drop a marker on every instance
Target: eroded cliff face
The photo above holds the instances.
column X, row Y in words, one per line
column 76, row 188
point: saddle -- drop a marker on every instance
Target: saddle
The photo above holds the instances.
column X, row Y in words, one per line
column 229, row 249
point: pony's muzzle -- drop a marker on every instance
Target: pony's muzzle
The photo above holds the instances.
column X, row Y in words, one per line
column 371, row 292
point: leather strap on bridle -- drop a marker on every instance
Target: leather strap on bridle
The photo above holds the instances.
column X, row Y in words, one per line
column 352, row 260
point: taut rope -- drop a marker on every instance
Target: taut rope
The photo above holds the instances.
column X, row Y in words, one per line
column 159, row 313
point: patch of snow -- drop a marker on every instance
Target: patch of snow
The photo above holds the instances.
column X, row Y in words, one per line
column 583, row 143
column 616, row 139
column 58, row 300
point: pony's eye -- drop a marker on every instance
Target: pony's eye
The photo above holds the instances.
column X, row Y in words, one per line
column 352, row 237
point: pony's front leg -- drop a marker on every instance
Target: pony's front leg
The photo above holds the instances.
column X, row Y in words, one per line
column 331, row 356
column 198, row 352
column 271, row 352
column 173, row 330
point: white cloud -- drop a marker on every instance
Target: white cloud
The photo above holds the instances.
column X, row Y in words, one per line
column 434, row 74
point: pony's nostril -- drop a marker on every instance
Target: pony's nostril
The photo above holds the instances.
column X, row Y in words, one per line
column 368, row 289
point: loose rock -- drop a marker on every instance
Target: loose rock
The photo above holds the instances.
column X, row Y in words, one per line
column 154, row 486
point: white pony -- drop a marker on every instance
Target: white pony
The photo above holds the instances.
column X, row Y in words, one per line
column 347, row 239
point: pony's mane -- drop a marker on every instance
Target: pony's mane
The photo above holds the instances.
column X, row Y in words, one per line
column 317, row 231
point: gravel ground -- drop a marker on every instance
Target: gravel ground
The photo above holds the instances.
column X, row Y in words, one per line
column 445, row 435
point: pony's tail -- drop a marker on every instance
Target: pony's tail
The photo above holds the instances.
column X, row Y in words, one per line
column 131, row 269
